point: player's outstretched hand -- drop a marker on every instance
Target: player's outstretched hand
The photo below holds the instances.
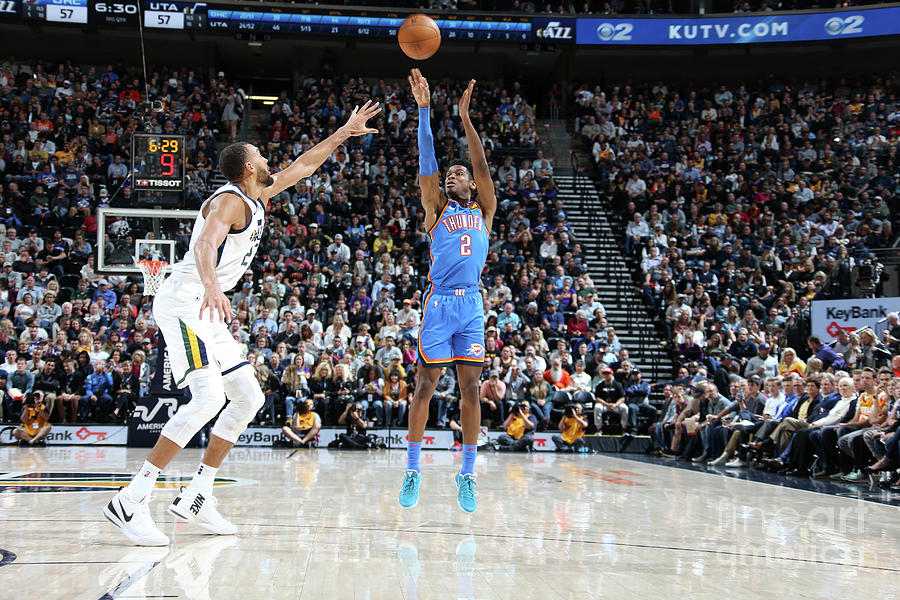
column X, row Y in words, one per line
column 420, row 90
column 466, row 100
column 357, row 123
column 218, row 305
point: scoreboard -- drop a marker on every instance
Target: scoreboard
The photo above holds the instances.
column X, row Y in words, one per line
column 174, row 15
column 272, row 19
column 362, row 23
column 57, row 11
column 157, row 162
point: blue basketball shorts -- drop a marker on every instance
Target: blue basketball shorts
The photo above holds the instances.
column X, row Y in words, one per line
column 452, row 330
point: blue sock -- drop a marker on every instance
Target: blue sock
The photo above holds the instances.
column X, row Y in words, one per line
column 468, row 466
column 412, row 456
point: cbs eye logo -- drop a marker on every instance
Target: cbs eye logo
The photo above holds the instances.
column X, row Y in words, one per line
column 605, row 31
column 844, row 26
column 618, row 32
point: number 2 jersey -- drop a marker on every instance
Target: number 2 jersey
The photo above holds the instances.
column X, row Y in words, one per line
column 234, row 255
column 459, row 246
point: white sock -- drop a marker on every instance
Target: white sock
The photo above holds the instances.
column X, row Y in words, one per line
column 203, row 479
column 144, row 481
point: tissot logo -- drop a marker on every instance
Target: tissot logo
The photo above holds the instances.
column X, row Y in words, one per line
column 555, row 30
column 173, row 183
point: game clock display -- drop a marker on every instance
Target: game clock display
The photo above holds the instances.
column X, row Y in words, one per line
column 158, row 163
column 121, row 12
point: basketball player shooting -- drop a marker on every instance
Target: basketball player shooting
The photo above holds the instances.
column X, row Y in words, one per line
column 452, row 330
column 192, row 312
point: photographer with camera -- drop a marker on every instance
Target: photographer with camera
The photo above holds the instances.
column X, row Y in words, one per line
column 354, row 417
column 518, row 425
column 35, row 421
column 572, row 426
column 304, row 427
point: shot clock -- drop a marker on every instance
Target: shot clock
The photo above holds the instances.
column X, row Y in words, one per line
column 158, row 162
column 157, row 170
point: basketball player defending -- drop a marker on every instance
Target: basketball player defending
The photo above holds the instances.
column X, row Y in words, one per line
column 192, row 311
column 452, row 329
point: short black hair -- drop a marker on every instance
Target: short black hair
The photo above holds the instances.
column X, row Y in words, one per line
column 464, row 164
column 232, row 159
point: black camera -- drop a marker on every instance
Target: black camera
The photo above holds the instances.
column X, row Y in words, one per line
column 570, row 410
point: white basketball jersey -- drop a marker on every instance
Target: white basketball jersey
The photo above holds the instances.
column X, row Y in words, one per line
column 236, row 251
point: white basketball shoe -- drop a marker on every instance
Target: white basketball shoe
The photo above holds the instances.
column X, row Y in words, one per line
column 132, row 516
column 196, row 507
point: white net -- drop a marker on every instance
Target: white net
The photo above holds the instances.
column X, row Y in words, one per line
column 154, row 272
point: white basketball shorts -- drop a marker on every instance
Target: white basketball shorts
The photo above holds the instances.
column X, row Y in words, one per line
column 192, row 342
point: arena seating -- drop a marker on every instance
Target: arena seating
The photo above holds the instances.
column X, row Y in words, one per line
column 739, row 205
column 330, row 242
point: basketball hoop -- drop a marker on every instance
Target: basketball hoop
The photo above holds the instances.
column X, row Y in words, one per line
column 154, row 272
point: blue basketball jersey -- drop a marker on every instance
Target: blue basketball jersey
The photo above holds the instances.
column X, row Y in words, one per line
column 459, row 246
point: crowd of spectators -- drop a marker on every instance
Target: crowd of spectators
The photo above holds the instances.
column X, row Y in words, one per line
column 740, row 205
column 808, row 419
column 329, row 309
column 602, row 7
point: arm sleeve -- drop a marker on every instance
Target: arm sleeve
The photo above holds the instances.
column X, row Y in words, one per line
column 427, row 162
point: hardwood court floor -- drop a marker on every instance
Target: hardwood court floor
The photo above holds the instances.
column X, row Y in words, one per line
column 320, row 524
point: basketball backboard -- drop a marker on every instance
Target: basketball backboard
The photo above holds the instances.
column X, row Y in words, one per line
column 128, row 234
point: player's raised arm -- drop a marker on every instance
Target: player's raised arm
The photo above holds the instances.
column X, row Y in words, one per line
column 225, row 212
column 429, row 176
column 483, row 181
column 307, row 163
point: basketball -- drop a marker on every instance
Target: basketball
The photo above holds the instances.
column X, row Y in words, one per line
column 419, row 37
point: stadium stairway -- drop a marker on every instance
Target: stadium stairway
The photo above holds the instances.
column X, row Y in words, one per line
column 555, row 141
column 593, row 227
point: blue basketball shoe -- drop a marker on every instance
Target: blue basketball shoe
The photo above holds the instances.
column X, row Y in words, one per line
column 409, row 493
column 466, row 495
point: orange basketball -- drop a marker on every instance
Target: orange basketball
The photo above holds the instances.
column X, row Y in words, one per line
column 419, row 37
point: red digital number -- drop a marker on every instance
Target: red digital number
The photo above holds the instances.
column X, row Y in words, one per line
column 168, row 162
